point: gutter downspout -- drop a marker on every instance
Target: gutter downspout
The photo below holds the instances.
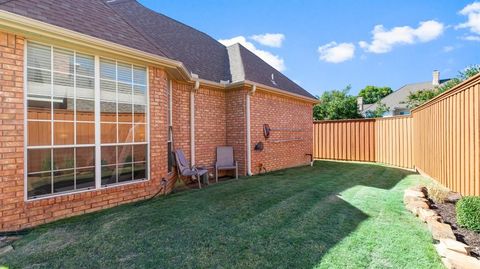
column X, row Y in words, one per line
column 249, row 142
column 192, row 121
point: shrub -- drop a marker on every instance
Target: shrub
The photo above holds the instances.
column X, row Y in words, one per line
column 438, row 194
column 468, row 213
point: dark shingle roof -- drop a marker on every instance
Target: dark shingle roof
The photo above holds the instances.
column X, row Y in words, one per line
column 90, row 17
column 128, row 23
column 200, row 53
column 257, row 70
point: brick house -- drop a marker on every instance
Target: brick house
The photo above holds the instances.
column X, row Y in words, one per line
column 89, row 90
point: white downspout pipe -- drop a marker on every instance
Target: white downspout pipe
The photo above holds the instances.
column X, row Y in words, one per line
column 249, row 139
column 192, row 122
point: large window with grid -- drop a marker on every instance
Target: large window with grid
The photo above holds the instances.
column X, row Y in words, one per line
column 123, row 104
column 80, row 107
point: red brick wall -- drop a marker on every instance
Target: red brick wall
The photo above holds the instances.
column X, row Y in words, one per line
column 15, row 212
column 280, row 112
column 210, row 127
column 219, row 121
column 11, row 128
column 236, row 126
column 181, row 116
column 210, row 122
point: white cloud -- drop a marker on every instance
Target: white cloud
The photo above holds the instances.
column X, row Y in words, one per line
column 472, row 11
column 384, row 40
column 275, row 61
column 471, row 38
column 270, row 40
column 448, row 48
column 336, row 53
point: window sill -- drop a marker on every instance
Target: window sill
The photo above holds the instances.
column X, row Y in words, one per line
column 111, row 186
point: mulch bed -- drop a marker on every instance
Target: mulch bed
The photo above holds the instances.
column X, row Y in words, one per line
column 447, row 211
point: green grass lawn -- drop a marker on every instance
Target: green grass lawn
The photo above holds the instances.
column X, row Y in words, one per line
column 332, row 215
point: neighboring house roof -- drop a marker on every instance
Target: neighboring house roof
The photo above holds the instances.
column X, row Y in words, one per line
column 128, row 23
column 398, row 98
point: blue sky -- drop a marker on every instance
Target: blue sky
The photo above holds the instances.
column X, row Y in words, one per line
column 318, row 44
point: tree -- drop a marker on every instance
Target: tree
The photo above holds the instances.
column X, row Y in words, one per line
column 379, row 111
column 335, row 105
column 373, row 94
column 416, row 99
column 420, row 97
column 448, row 85
column 469, row 72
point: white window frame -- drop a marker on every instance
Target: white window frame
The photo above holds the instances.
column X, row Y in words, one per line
column 170, row 123
column 147, row 119
column 97, row 123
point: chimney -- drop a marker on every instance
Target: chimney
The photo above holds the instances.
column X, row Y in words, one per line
column 436, row 78
column 360, row 103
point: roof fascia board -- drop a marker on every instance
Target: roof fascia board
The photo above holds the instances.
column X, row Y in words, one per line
column 266, row 88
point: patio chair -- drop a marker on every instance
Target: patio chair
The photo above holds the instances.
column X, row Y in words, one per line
column 185, row 170
column 225, row 161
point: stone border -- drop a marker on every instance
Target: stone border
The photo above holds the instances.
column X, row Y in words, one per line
column 454, row 254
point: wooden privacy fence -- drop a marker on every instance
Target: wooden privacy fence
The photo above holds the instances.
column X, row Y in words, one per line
column 441, row 139
column 350, row 140
column 393, row 144
column 446, row 138
column 385, row 140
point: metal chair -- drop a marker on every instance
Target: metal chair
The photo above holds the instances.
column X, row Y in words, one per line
column 225, row 161
column 185, row 170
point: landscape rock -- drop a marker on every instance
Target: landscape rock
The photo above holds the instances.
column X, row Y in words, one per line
column 453, row 197
column 447, row 263
column 460, row 261
column 440, row 230
column 426, row 214
column 6, row 249
column 436, row 218
column 422, row 189
column 414, row 193
column 441, row 250
column 409, row 199
column 455, row 246
column 414, row 206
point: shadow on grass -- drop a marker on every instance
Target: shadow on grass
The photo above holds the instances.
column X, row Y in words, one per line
column 289, row 218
